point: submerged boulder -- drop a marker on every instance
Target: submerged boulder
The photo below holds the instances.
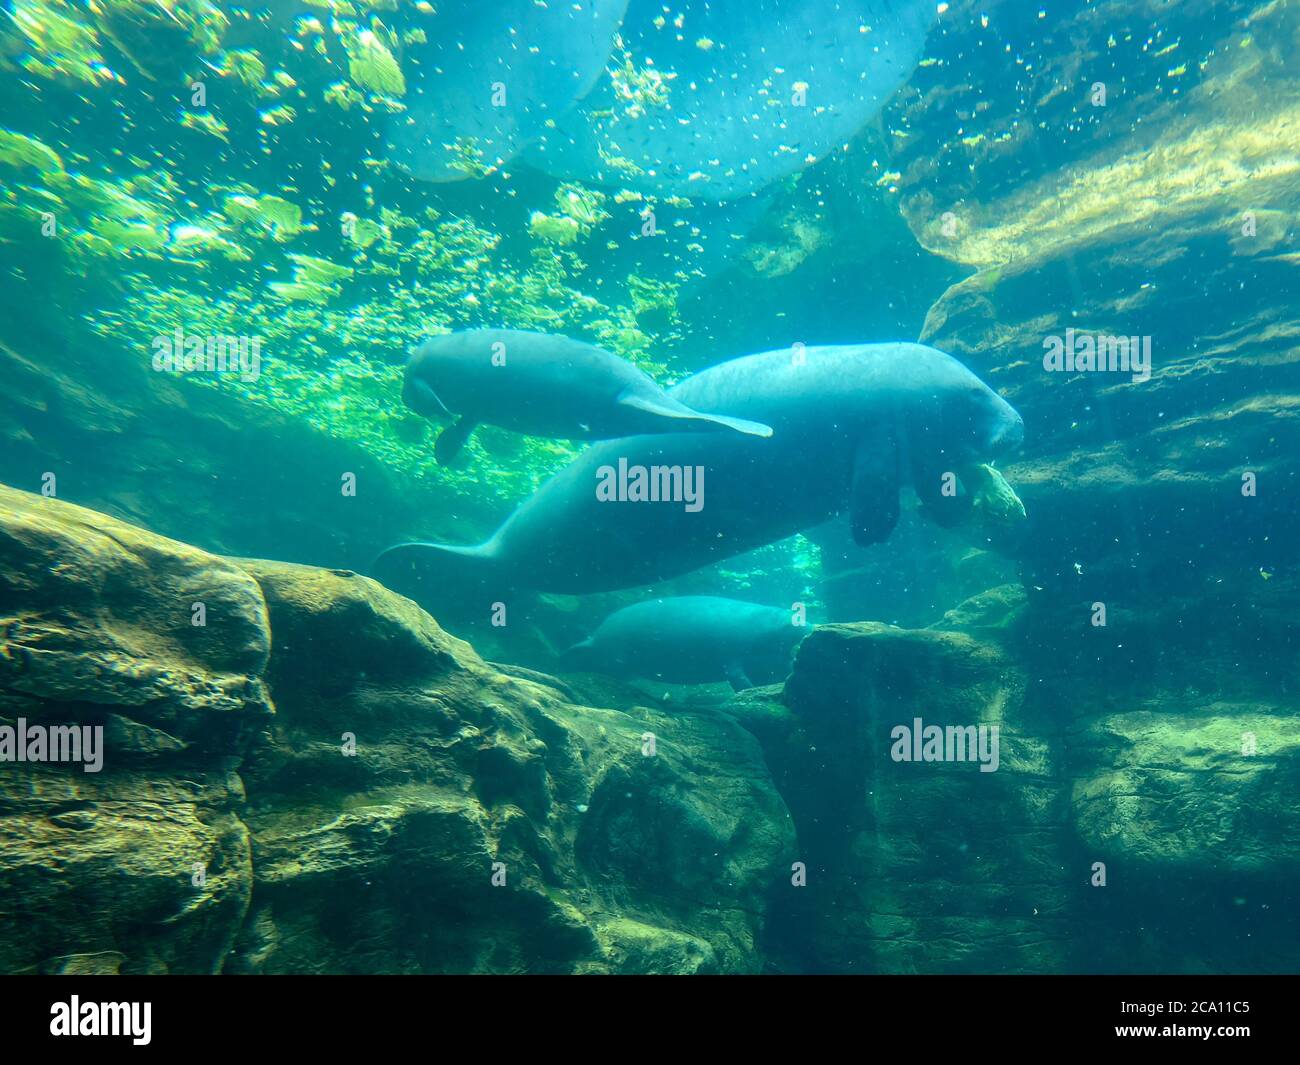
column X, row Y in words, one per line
column 320, row 779
column 141, row 864
column 917, row 866
column 1123, row 197
column 1145, row 824
column 487, row 797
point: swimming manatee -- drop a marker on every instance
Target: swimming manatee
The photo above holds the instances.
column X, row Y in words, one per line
column 543, row 386
column 692, row 639
column 851, row 426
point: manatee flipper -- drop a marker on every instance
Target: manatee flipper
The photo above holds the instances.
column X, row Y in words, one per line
column 665, row 407
column 736, row 675
column 873, row 493
column 452, row 439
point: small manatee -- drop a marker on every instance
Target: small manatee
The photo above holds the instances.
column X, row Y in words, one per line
column 543, row 385
column 692, row 639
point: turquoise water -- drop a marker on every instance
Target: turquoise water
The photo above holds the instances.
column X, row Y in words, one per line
column 960, row 339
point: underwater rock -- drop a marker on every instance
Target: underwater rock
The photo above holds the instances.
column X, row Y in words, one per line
column 1184, row 813
column 931, row 866
column 1149, row 195
column 1171, row 792
column 320, row 779
column 1181, row 743
column 101, row 612
column 994, row 614
column 1145, row 202
column 1141, row 823
column 142, row 865
column 459, row 767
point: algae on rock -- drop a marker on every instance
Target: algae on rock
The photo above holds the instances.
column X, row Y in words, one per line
column 320, row 779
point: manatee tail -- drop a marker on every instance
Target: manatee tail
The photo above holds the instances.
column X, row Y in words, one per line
column 692, row 420
column 577, row 657
column 443, row 577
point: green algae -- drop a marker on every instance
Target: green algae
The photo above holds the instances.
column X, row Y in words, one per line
column 578, row 210
column 247, row 68
column 362, row 232
column 585, row 206
column 992, row 496
column 314, row 280
column 198, row 241
column 272, row 214
column 64, row 44
column 331, row 355
column 318, row 271
column 554, row 229
column 343, row 95
column 207, row 123
column 17, row 150
column 371, row 65
column 338, row 283
column 637, row 89
column 129, row 236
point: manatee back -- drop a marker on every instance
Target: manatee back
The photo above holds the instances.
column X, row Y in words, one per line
column 817, row 387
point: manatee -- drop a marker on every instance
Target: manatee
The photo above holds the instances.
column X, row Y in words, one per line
column 692, row 639
column 851, row 426
column 543, row 386
column 726, row 97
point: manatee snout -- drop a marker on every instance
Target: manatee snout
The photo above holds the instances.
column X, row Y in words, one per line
column 1010, row 435
column 416, row 393
column 1008, row 428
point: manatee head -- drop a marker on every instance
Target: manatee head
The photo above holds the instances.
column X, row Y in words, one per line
column 433, row 370
column 788, row 640
column 788, row 635
column 996, row 425
column 959, row 415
